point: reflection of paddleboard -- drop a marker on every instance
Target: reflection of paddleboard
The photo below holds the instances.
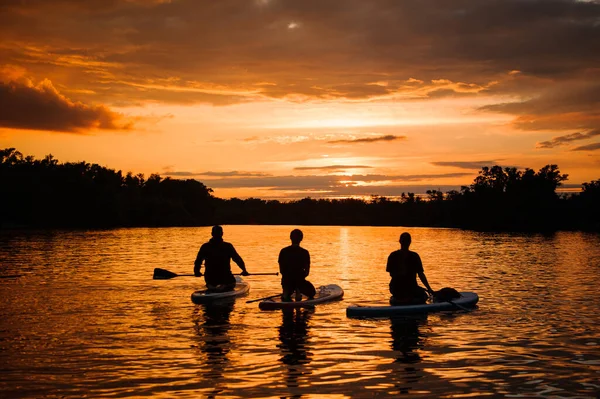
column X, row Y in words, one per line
column 325, row 293
column 207, row 296
column 466, row 300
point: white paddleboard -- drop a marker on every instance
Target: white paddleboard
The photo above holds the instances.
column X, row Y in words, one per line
column 467, row 300
column 206, row 296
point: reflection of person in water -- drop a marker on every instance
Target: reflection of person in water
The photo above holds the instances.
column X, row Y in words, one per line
column 212, row 327
column 295, row 354
column 406, row 340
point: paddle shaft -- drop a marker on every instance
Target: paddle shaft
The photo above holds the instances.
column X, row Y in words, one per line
column 240, row 274
column 459, row 306
column 162, row 274
column 261, row 299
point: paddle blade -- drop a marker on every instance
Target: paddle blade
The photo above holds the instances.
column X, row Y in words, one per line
column 162, row 274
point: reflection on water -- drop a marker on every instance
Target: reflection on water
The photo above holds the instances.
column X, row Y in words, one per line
column 85, row 319
column 406, row 342
column 294, row 347
column 212, row 325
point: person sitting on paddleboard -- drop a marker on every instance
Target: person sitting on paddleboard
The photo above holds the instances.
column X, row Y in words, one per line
column 216, row 255
column 294, row 266
column 404, row 266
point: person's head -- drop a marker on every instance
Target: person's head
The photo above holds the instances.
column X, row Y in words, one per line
column 217, row 231
column 405, row 240
column 296, row 236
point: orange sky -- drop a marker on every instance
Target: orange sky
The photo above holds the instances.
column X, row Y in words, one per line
column 287, row 99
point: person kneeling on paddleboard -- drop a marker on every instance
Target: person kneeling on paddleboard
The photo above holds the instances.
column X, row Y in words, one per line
column 216, row 255
column 404, row 266
column 294, row 266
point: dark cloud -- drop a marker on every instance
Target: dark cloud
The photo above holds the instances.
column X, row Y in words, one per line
column 42, row 107
column 228, row 51
column 332, row 167
column 180, row 174
column 560, row 140
column 234, row 173
column 589, row 147
column 562, row 106
column 540, row 53
column 389, row 137
column 442, row 93
column 466, row 165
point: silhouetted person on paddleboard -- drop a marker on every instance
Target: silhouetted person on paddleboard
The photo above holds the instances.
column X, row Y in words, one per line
column 404, row 266
column 294, row 266
column 216, row 255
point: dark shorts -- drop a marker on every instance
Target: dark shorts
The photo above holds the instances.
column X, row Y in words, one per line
column 219, row 279
column 402, row 296
column 220, row 287
column 302, row 285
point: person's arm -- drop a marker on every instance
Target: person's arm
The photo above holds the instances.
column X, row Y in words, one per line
column 388, row 267
column 307, row 267
column 421, row 273
column 280, row 261
column 239, row 261
column 198, row 262
column 423, row 279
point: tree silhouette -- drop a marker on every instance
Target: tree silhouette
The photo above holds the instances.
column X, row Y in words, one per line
column 47, row 193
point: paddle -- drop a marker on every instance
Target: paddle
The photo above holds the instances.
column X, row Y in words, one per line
column 162, row 274
column 261, row 299
column 452, row 303
column 459, row 306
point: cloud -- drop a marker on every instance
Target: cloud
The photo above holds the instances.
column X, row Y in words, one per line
column 24, row 105
column 179, row 174
column 589, row 147
column 234, row 173
column 388, row 137
column 560, row 140
column 572, row 104
column 536, row 59
column 345, row 191
column 332, row 167
column 220, row 52
column 314, row 182
column 466, row 165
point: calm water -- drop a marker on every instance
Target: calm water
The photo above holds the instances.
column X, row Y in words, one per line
column 87, row 320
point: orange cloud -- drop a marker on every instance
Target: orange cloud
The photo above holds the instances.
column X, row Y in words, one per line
column 569, row 138
column 227, row 52
column 24, row 105
column 388, row 137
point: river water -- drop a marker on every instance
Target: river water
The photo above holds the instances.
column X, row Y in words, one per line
column 86, row 319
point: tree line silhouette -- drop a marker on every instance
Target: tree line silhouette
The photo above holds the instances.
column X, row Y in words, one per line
column 48, row 194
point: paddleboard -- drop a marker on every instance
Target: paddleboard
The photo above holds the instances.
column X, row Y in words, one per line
column 206, row 296
column 324, row 293
column 466, row 300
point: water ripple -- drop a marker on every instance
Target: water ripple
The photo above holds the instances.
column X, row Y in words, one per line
column 85, row 319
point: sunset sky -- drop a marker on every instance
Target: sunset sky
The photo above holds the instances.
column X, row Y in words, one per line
column 295, row 98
